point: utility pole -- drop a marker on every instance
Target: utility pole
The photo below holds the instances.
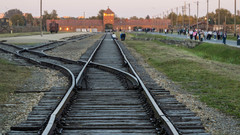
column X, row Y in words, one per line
column 218, row 14
column 235, row 28
column 183, row 16
column 197, row 13
column 177, row 17
column 41, row 18
column 189, row 16
column 167, row 14
column 207, row 14
column 172, row 17
column 225, row 28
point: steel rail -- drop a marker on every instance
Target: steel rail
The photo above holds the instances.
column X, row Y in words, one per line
column 172, row 129
column 129, row 76
column 87, row 63
column 57, row 112
column 14, row 46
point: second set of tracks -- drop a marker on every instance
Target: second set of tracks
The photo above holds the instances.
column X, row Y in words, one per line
column 105, row 96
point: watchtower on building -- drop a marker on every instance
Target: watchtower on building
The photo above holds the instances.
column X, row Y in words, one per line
column 108, row 19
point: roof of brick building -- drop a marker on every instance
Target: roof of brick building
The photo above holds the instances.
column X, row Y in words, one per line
column 109, row 11
column 75, row 22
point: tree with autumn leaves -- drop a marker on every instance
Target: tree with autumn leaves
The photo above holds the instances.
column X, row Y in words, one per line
column 213, row 18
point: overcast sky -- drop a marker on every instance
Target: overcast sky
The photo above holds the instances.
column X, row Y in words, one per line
column 123, row 8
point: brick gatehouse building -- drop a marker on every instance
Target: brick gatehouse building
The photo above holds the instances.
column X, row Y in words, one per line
column 108, row 22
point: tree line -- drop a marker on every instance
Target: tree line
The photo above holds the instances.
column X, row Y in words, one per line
column 226, row 17
column 17, row 18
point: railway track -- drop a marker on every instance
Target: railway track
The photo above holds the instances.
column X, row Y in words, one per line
column 9, row 48
column 105, row 96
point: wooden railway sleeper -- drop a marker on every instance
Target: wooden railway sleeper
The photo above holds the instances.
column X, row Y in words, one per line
column 85, row 82
column 126, row 83
column 158, row 124
column 125, row 63
column 161, row 131
column 149, row 111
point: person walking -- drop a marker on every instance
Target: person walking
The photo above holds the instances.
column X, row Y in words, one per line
column 210, row 35
column 224, row 38
column 123, row 36
column 215, row 35
column 114, row 36
column 205, row 35
column 195, row 35
column 200, row 35
column 218, row 35
column 221, row 35
column 191, row 34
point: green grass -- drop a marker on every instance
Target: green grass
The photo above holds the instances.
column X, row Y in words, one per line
column 231, row 37
column 184, row 66
column 218, row 52
column 11, row 76
column 145, row 35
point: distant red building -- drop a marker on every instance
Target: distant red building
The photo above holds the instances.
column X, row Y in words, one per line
column 109, row 22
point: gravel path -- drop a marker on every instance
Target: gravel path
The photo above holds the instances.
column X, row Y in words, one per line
column 74, row 50
column 214, row 121
column 19, row 105
column 16, row 109
column 38, row 39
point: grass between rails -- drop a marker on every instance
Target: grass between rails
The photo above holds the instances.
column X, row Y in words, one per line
column 218, row 88
column 11, row 77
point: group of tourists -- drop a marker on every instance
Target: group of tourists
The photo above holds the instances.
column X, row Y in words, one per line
column 122, row 36
column 166, row 31
column 199, row 34
column 182, row 31
column 207, row 35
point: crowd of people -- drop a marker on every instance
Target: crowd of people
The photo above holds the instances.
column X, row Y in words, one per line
column 200, row 35
column 207, row 35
